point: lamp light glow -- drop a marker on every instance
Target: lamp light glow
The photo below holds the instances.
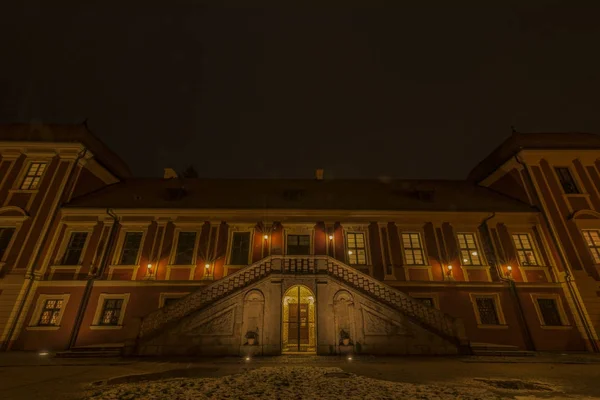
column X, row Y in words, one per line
column 207, row 266
column 350, row 252
column 349, row 358
column 509, row 268
column 149, row 266
column 330, row 237
column 449, row 267
column 266, row 237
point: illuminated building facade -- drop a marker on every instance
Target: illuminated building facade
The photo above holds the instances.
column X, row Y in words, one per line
column 90, row 256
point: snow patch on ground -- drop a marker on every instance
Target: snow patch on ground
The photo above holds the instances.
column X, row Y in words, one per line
column 288, row 382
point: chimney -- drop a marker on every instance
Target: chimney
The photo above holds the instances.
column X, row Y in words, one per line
column 319, row 174
column 170, row 173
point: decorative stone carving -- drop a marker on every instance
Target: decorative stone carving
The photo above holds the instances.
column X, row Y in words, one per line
column 220, row 324
column 377, row 324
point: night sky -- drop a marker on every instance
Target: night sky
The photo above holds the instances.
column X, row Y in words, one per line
column 399, row 91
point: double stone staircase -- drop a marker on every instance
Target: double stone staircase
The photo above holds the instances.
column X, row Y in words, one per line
column 429, row 318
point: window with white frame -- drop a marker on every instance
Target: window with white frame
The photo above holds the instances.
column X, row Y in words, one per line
column 525, row 249
column 6, row 235
column 488, row 310
column 48, row 311
column 357, row 254
column 33, row 176
column 111, row 312
column 592, row 239
column 469, row 249
column 298, row 245
column 413, row 249
column 240, row 248
column 566, row 180
column 131, row 248
column 74, row 249
column 549, row 312
column 184, row 252
column 51, row 311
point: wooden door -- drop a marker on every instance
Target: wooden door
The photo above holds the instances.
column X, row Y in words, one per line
column 298, row 323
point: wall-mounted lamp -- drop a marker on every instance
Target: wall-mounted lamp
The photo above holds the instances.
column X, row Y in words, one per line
column 266, row 237
column 149, row 267
column 207, row 266
column 330, row 237
column 449, row 270
column 508, row 270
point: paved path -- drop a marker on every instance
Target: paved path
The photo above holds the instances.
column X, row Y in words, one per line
column 29, row 376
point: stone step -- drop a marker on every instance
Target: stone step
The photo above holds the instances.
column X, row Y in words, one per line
column 91, row 352
column 504, row 353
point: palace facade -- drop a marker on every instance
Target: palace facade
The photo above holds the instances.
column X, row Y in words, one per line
column 90, row 256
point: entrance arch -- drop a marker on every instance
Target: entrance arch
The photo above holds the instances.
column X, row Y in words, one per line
column 299, row 322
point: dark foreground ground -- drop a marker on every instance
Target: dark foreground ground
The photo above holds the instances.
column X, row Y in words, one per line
column 30, row 376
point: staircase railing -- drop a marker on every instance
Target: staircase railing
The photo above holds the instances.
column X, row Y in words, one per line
column 204, row 296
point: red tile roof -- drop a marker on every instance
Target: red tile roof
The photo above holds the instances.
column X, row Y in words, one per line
column 300, row 194
column 518, row 141
column 66, row 134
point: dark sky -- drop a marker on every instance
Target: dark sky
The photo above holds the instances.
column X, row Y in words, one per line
column 403, row 91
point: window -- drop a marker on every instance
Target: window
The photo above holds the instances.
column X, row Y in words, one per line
column 592, row 238
column 51, row 312
column 240, row 248
column 131, row 248
column 186, row 243
column 111, row 311
column 169, row 300
column 566, row 180
column 413, row 251
column 356, row 248
column 75, row 248
column 469, row 251
column 525, row 250
column 33, row 176
column 486, row 308
column 549, row 312
column 298, row 245
column 6, row 235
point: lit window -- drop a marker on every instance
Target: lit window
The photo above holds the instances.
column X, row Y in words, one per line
column 111, row 312
column 469, row 251
column 186, row 243
column 566, row 180
column 131, row 248
column 592, row 238
column 74, row 248
column 486, row 308
column 549, row 311
column 50, row 312
column 298, row 245
column 33, row 176
column 6, row 235
column 525, row 250
column 240, row 248
column 356, row 248
column 413, row 250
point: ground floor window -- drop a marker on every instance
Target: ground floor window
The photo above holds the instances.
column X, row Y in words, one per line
column 50, row 312
column 110, row 311
column 488, row 310
column 549, row 309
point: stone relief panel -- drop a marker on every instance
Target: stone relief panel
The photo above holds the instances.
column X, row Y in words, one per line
column 220, row 324
column 377, row 324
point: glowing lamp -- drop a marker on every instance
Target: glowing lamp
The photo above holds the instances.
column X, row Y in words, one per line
column 349, row 358
column 247, row 358
column 266, row 237
column 350, row 252
column 449, row 267
column 330, row 237
column 509, row 268
column 207, row 266
column 149, row 266
column 43, row 353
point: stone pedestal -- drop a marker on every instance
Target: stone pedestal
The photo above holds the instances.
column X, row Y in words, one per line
column 344, row 350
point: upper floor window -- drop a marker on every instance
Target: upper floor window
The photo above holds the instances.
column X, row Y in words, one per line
column 525, row 250
column 592, row 238
column 240, row 248
column 413, row 250
column 566, row 180
column 357, row 254
column 131, row 248
column 6, row 235
column 469, row 251
column 50, row 312
column 298, row 244
column 186, row 243
column 74, row 248
column 33, row 176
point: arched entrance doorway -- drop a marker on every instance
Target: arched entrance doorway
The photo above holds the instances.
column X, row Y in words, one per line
column 299, row 323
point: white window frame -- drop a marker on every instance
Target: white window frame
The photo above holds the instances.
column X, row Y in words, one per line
column 478, row 249
column 427, row 295
column 534, row 248
column 125, row 228
column 578, row 184
column 423, row 250
column 364, row 230
column 499, row 312
column 191, row 267
column 100, row 307
column 39, row 307
column 560, row 308
column 299, row 229
column 25, row 170
column 239, row 229
column 72, row 227
column 591, row 247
